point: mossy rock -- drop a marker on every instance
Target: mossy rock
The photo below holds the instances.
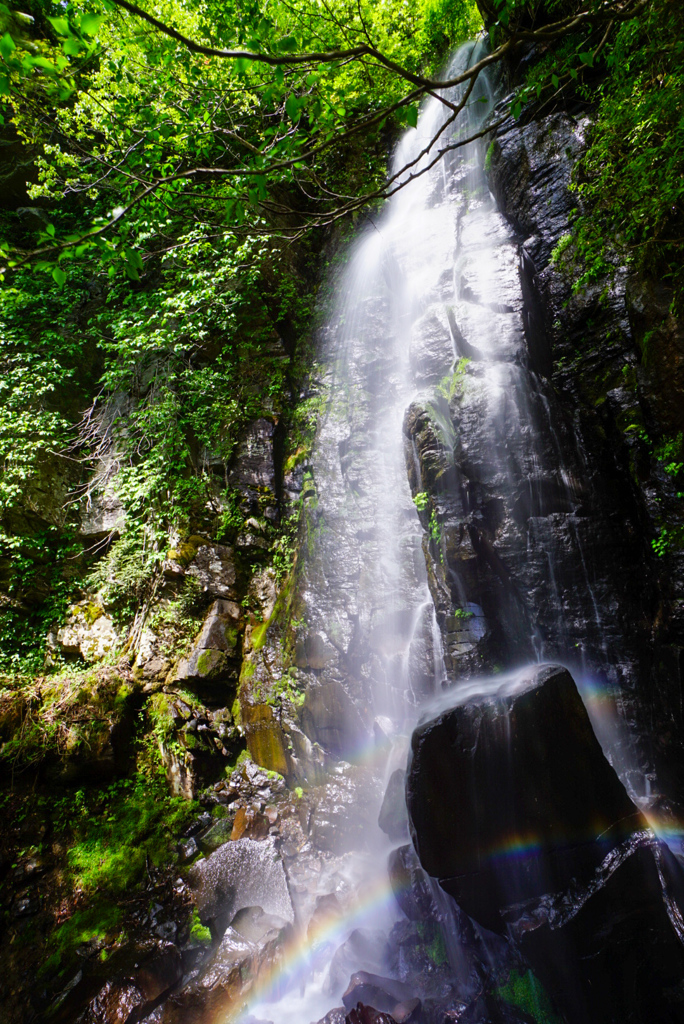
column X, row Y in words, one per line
column 266, row 740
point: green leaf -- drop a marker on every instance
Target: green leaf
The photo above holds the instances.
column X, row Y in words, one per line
column 412, row 116
column 72, row 46
column 60, row 25
column 4, row 86
column 90, row 24
column 587, row 58
column 287, row 44
column 7, row 46
column 555, row 81
column 42, row 62
column 59, row 276
column 292, row 107
column 134, row 259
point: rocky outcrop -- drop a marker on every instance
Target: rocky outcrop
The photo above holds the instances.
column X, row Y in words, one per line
column 213, row 660
column 512, row 780
column 88, row 631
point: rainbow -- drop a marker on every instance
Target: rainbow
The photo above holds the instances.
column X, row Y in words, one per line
column 311, row 950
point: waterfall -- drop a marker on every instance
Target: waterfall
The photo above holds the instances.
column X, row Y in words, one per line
column 365, row 584
column 437, row 455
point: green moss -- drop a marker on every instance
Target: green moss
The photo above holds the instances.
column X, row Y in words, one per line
column 198, row 932
column 183, row 554
column 452, row 385
column 241, row 758
column 437, row 950
column 91, row 612
column 258, row 637
column 118, row 830
column 526, row 992
column 100, row 922
column 206, row 662
column 247, row 671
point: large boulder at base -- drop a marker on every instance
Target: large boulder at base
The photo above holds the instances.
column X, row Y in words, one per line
column 221, row 986
column 510, row 786
column 516, row 811
column 124, row 988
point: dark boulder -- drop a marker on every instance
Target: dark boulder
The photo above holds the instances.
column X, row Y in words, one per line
column 510, row 795
column 361, row 1014
column 609, row 953
column 411, row 885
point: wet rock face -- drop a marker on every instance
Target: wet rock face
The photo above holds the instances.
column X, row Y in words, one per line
column 515, row 809
column 392, row 818
column 255, row 472
column 123, row 992
column 214, row 569
column 613, row 356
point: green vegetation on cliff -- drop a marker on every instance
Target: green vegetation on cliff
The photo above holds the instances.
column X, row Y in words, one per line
column 133, row 361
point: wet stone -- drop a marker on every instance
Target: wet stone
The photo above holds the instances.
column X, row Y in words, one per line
column 383, row 994
column 519, row 758
column 242, row 873
column 393, row 819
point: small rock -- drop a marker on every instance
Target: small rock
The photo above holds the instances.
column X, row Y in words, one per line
column 167, row 931
column 217, row 835
column 383, row 994
column 187, row 850
column 393, row 819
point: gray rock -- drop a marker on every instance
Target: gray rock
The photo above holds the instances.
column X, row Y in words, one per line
column 244, row 873
column 216, row 646
column 432, row 352
column 345, row 810
column 217, row 835
column 331, row 718
column 88, row 631
column 187, row 849
column 214, row 568
column 393, row 819
column 103, row 517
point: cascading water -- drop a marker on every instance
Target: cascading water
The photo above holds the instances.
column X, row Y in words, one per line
column 428, row 391
column 365, row 583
